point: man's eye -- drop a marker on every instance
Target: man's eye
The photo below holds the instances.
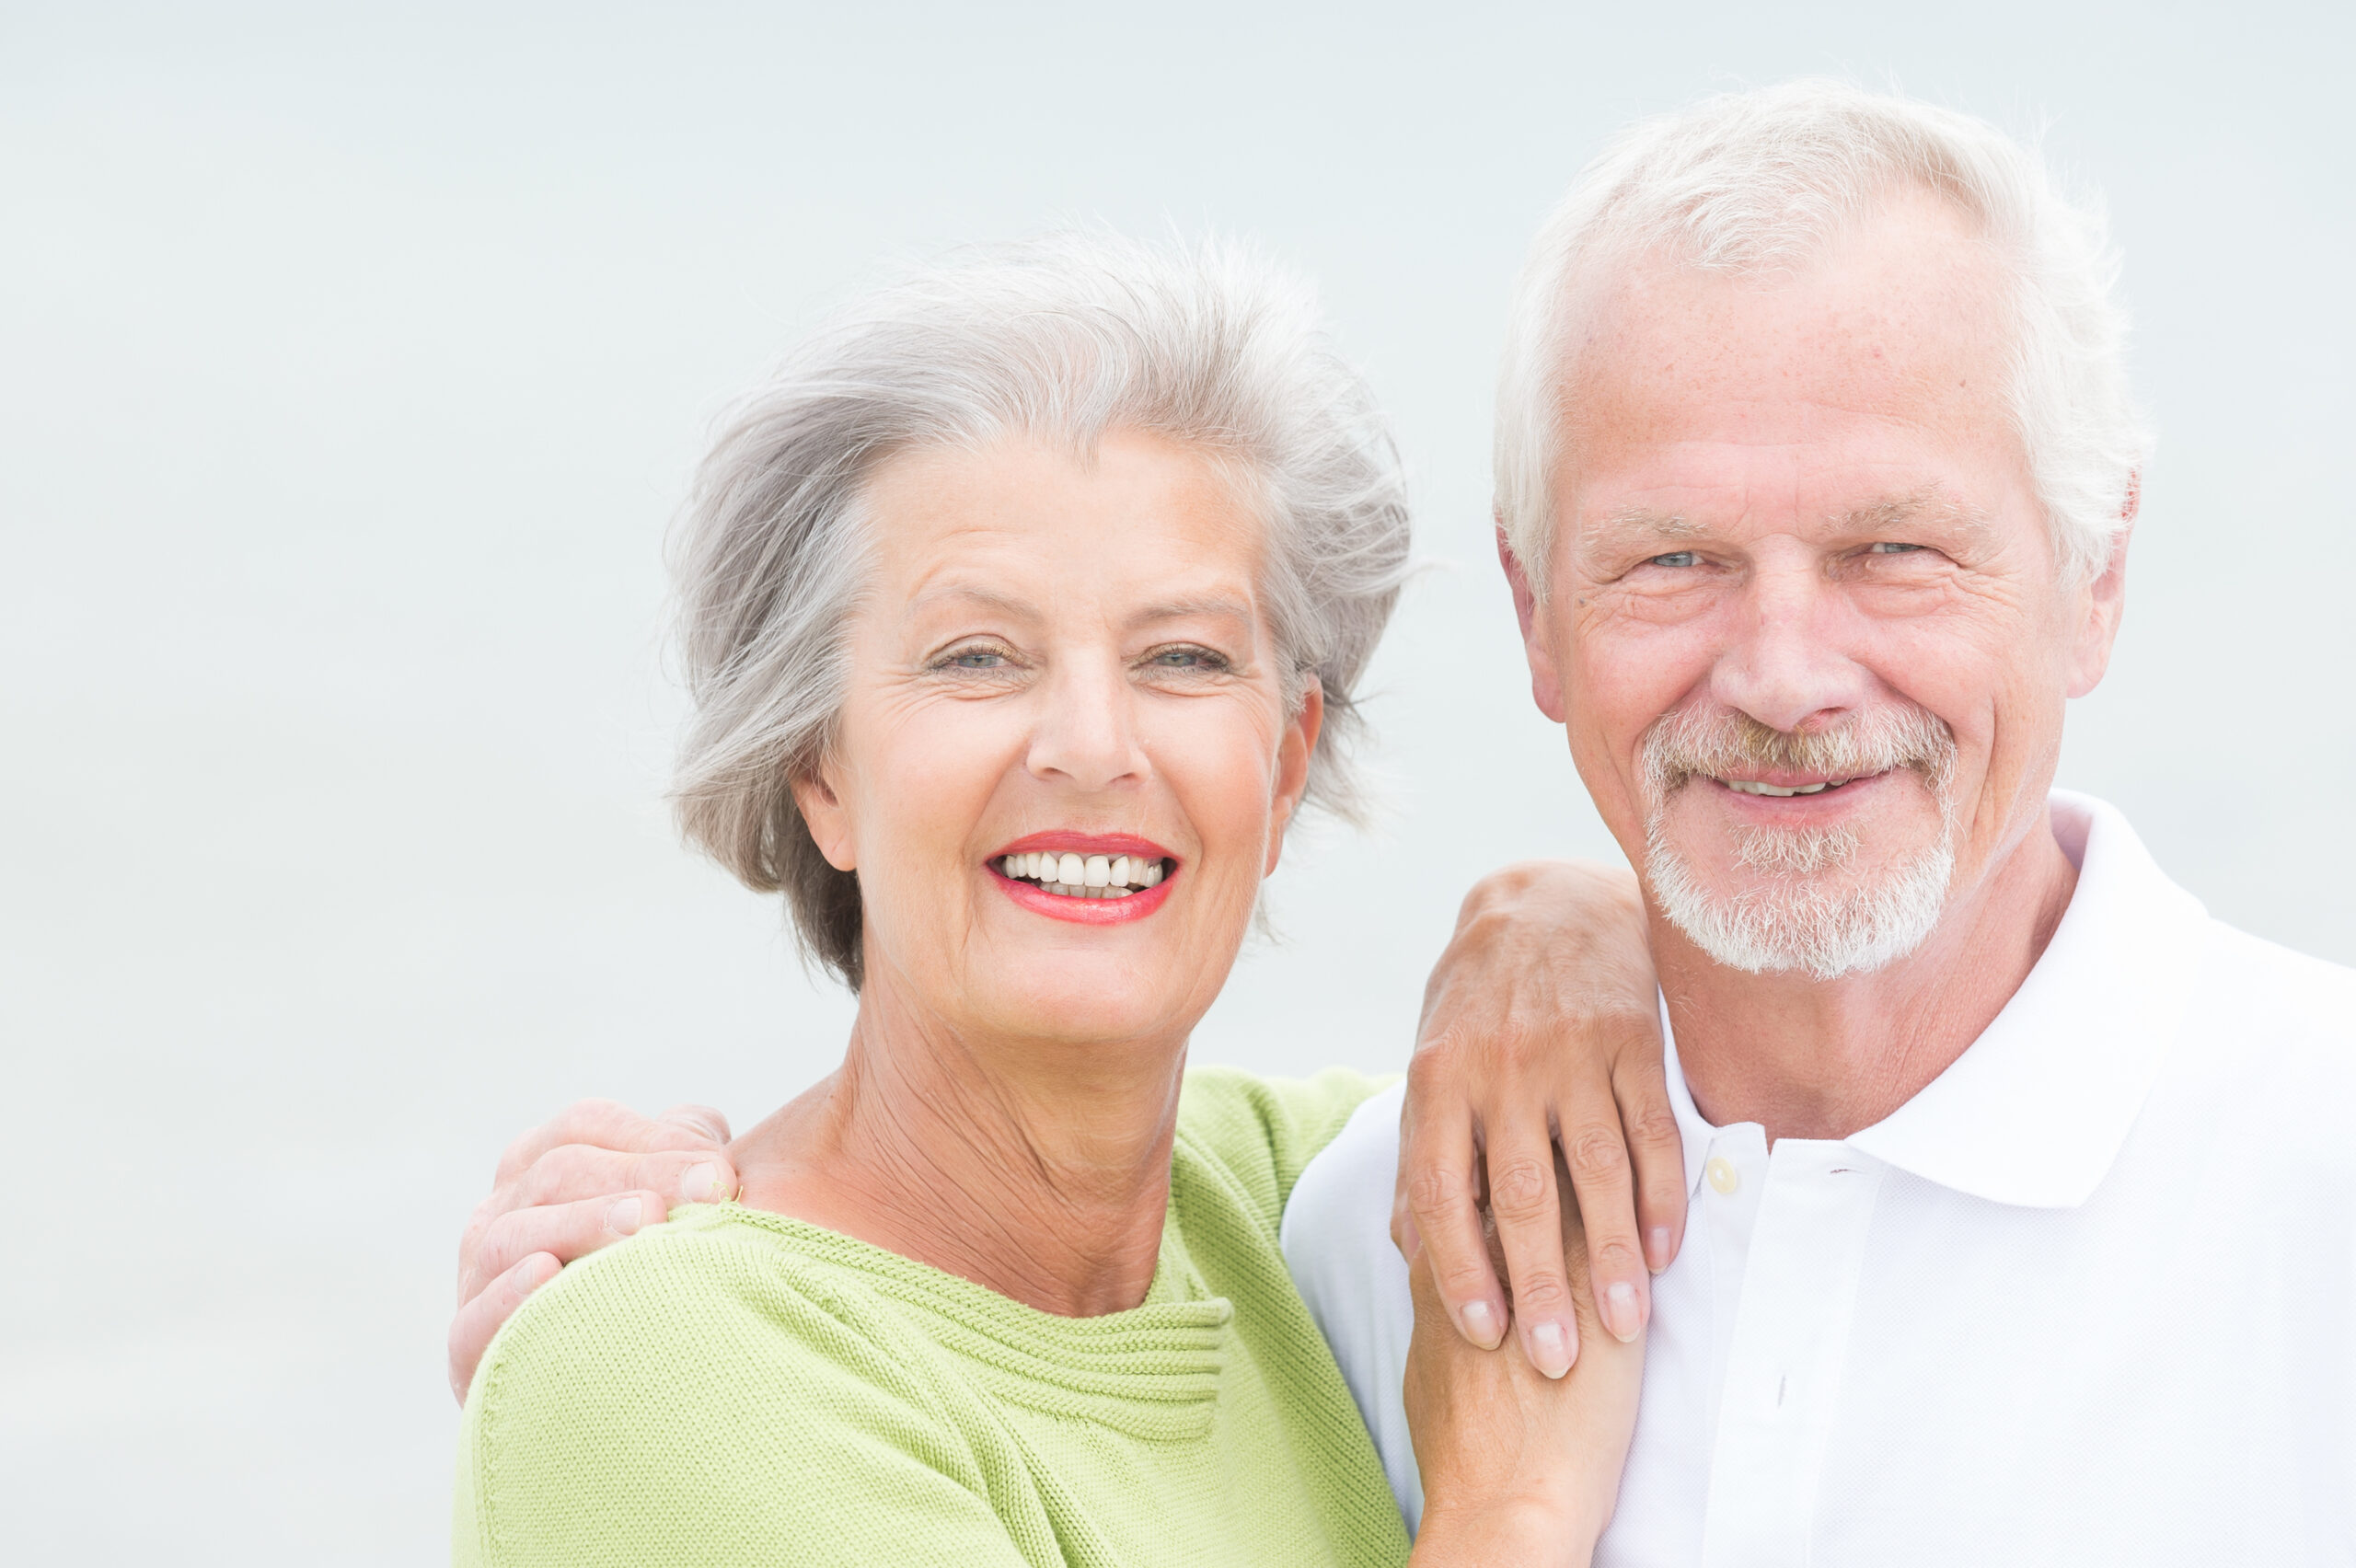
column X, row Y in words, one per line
column 1675, row 558
column 1891, row 546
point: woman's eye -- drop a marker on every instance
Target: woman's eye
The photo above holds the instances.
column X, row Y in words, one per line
column 1891, row 546
column 1675, row 558
column 1184, row 659
column 974, row 658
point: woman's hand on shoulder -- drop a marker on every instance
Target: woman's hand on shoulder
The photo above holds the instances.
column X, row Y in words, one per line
column 1517, row 1467
column 595, row 1173
column 1541, row 1033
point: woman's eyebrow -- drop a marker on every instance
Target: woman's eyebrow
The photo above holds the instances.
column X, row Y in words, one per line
column 972, row 594
column 1202, row 605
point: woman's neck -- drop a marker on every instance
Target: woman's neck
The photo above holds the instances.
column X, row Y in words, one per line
column 1040, row 1171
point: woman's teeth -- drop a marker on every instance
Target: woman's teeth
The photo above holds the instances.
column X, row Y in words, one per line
column 1083, row 876
column 1750, row 787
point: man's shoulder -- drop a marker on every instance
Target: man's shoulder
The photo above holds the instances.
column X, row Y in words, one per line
column 2285, row 998
column 1342, row 1201
column 2264, row 1059
column 1337, row 1246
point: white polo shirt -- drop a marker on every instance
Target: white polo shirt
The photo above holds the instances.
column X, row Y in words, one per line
column 2089, row 1298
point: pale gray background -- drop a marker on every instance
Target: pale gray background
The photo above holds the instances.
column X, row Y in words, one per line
column 350, row 362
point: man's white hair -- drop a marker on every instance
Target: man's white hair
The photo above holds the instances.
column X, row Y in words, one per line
column 1758, row 182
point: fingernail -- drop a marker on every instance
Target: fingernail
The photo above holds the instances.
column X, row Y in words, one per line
column 1622, row 1313
column 1481, row 1324
column 1550, row 1349
column 1656, row 1248
column 701, row 1184
column 623, row 1219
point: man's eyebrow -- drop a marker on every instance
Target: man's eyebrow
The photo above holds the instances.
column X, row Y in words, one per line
column 1657, row 525
column 1932, row 507
column 1634, row 525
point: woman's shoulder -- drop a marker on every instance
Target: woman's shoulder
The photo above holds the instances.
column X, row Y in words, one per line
column 1264, row 1131
column 708, row 1392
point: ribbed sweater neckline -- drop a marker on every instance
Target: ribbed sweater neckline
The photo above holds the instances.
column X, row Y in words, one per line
column 1153, row 1369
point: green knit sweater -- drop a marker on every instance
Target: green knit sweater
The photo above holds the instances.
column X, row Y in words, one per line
column 738, row 1387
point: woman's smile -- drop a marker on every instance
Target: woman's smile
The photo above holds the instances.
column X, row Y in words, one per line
column 1091, row 879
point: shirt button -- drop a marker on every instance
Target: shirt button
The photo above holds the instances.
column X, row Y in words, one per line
column 1722, row 1174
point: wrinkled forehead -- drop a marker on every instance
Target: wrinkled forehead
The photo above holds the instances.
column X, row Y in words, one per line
column 1878, row 370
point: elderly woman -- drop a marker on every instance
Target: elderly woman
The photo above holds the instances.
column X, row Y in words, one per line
column 1022, row 612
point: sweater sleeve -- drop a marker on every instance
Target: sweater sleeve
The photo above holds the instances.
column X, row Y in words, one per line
column 684, row 1398
column 1266, row 1131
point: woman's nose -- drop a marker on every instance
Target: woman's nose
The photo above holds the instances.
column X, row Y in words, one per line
column 1087, row 732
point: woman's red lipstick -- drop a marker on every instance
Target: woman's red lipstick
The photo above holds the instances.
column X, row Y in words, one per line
column 1134, row 905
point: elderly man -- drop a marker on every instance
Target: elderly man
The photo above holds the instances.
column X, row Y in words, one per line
column 1816, row 476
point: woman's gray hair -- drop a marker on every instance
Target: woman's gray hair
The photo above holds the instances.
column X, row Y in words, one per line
column 1061, row 337
column 1760, row 181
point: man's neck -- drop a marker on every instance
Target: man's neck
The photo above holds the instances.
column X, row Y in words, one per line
column 1041, row 1173
column 1825, row 1058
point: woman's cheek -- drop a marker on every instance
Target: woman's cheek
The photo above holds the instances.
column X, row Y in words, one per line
column 1224, row 775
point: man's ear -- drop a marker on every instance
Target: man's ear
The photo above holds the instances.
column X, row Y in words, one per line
column 1545, row 684
column 2103, row 601
column 824, row 814
column 1300, row 743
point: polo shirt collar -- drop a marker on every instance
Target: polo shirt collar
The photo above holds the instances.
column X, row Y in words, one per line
column 2034, row 1111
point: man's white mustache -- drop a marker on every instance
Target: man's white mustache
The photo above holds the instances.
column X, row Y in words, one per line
column 1718, row 743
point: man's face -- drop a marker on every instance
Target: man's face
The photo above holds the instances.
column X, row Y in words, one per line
column 1798, row 549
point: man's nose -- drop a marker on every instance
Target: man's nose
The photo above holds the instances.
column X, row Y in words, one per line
column 1787, row 665
column 1087, row 734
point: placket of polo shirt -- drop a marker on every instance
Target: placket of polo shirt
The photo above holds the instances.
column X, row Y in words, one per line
column 1781, row 1386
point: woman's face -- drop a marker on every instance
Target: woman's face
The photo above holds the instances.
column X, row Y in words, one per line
column 1059, row 667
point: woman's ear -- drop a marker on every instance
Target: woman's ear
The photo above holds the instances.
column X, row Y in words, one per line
column 1300, row 743
column 828, row 820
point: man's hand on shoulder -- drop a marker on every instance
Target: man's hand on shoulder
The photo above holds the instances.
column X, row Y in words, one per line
column 595, row 1173
column 1542, row 1031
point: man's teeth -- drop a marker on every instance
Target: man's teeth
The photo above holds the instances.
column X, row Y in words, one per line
column 1084, row 876
column 1751, row 787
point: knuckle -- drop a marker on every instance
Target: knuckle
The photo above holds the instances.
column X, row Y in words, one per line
column 595, row 1112
column 1431, row 1070
column 1596, row 1154
column 470, row 1239
column 701, row 1121
column 1500, row 1043
column 1435, row 1189
column 1614, row 1257
column 1540, row 1290
column 564, row 1173
column 503, row 1243
column 1519, row 1188
column 1653, row 1126
column 1463, row 1277
column 657, row 1172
